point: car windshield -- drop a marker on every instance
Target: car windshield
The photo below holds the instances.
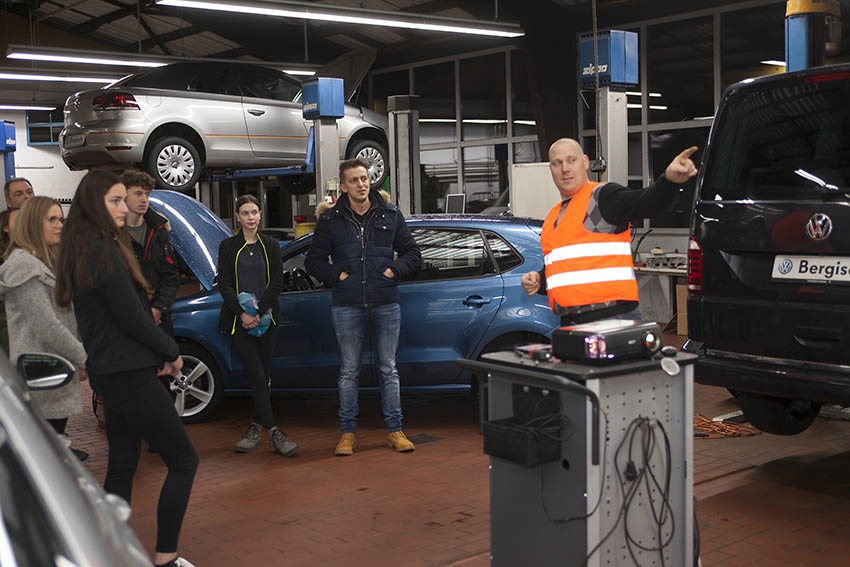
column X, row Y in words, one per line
column 783, row 141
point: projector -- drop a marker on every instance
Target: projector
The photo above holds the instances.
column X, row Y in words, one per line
column 606, row 341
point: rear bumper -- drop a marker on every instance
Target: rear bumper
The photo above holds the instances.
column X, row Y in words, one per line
column 767, row 376
column 102, row 147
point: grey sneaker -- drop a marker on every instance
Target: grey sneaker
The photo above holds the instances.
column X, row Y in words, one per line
column 251, row 439
column 282, row 445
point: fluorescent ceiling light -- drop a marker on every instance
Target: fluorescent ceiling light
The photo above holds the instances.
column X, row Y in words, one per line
column 91, row 57
column 28, row 106
column 657, row 107
column 631, row 93
column 59, row 78
column 776, row 62
column 310, row 11
column 83, row 60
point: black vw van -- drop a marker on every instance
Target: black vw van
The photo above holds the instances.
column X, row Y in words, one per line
column 769, row 253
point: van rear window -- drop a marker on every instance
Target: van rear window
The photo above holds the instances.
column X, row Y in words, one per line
column 781, row 141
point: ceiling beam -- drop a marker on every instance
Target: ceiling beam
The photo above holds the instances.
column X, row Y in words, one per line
column 153, row 36
column 93, row 24
column 164, row 38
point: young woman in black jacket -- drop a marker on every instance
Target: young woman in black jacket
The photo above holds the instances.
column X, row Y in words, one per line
column 96, row 269
column 250, row 262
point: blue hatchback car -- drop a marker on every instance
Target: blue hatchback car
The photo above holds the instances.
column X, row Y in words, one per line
column 465, row 300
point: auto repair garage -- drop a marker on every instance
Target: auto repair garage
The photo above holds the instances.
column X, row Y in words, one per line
column 620, row 291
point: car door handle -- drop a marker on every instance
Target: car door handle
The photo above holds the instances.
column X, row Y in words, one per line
column 256, row 112
column 817, row 337
column 475, row 301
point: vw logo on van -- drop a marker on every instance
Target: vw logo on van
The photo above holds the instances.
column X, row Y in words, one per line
column 785, row 266
column 819, row 227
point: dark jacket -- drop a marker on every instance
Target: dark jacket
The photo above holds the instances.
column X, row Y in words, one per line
column 228, row 252
column 363, row 251
column 156, row 258
column 114, row 319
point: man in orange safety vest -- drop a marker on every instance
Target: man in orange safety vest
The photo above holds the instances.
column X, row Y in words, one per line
column 588, row 272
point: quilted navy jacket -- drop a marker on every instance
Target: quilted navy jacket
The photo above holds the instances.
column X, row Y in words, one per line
column 363, row 250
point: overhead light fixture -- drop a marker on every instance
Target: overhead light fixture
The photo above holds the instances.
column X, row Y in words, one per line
column 90, row 57
column 776, row 62
column 15, row 75
column 312, row 11
column 633, row 93
column 83, row 60
column 28, row 106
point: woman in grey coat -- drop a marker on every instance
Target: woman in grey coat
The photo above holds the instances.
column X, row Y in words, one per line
column 36, row 323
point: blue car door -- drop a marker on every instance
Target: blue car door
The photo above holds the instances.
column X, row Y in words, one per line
column 306, row 354
column 448, row 307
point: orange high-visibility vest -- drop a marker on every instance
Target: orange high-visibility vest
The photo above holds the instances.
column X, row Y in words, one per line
column 583, row 267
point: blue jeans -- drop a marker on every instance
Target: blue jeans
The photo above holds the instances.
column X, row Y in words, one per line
column 351, row 323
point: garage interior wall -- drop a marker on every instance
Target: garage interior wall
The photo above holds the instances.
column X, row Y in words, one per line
column 686, row 62
column 41, row 164
column 476, row 120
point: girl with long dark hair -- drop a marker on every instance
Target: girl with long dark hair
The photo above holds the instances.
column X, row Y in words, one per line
column 97, row 270
column 250, row 262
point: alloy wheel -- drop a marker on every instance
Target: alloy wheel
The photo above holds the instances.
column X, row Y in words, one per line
column 193, row 387
column 175, row 165
column 373, row 157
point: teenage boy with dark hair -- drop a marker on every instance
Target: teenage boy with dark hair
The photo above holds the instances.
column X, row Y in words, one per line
column 149, row 233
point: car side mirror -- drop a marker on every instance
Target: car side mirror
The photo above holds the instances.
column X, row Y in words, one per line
column 45, row 371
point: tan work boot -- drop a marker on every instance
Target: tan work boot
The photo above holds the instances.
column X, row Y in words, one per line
column 346, row 445
column 399, row 441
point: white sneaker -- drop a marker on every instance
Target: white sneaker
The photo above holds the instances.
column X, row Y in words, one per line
column 178, row 562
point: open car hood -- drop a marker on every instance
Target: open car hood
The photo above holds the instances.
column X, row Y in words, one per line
column 351, row 68
column 195, row 233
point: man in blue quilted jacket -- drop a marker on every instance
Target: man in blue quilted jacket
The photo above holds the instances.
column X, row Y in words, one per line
column 353, row 253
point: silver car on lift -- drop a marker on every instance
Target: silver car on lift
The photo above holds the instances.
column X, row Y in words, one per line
column 174, row 121
column 52, row 512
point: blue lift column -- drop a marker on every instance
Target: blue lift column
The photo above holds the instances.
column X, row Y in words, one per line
column 812, row 31
column 323, row 102
column 7, row 147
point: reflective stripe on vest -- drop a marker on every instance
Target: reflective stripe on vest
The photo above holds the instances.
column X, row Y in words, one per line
column 584, row 267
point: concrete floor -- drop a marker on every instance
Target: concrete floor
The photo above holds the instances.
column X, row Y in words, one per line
column 762, row 501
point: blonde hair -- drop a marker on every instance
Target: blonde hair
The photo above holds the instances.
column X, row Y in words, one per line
column 28, row 230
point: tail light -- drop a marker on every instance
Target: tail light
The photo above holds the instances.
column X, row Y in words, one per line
column 694, row 267
column 114, row 101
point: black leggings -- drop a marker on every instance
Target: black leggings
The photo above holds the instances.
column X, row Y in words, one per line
column 256, row 354
column 137, row 407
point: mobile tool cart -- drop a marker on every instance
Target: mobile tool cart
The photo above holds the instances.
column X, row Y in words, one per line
column 590, row 464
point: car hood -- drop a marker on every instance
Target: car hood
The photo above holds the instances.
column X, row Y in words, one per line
column 195, row 233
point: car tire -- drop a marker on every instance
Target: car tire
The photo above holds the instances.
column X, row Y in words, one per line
column 174, row 163
column 375, row 154
column 779, row 416
column 199, row 388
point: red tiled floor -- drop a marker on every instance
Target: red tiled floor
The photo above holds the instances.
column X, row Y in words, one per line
column 763, row 501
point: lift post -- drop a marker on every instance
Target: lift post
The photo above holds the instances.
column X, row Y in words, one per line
column 812, row 31
column 404, row 152
column 7, row 146
column 323, row 103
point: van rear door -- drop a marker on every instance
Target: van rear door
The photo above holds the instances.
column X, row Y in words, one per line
column 772, row 218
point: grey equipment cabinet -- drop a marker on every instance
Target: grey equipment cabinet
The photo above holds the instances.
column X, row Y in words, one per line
column 572, row 446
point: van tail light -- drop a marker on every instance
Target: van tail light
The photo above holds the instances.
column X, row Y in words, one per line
column 694, row 267
column 115, row 101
